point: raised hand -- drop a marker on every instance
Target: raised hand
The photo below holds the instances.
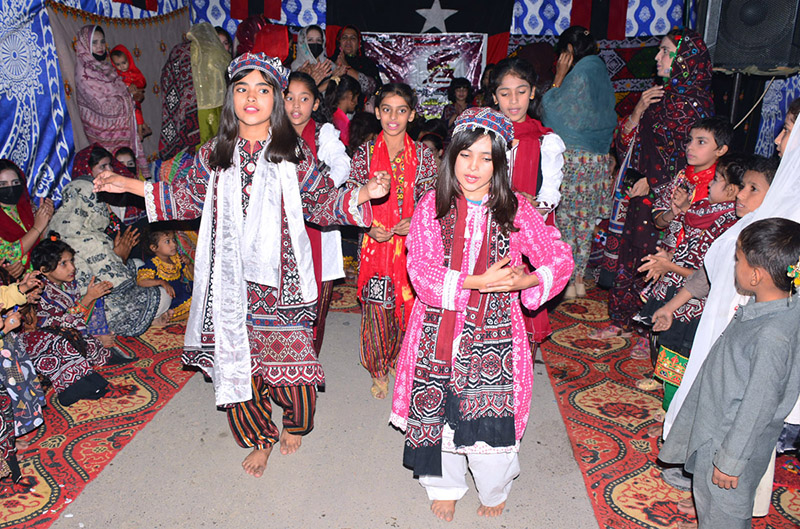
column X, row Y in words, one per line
column 376, row 187
column 124, row 242
column 98, row 289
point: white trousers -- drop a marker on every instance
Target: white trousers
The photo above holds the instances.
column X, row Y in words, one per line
column 493, row 475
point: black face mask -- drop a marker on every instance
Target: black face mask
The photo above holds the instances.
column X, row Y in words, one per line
column 316, row 49
column 101, row 57
column 10, row 195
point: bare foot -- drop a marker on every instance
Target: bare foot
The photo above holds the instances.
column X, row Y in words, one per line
column 380, row 387
column 686, row 506
column 444, row 509
column 491, row 512
column 290, row 442
column 22, row 445
column 256, row 461
column 163, row 320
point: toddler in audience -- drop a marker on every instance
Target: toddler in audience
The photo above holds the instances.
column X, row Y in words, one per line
column 169, row 270
column 133, row 77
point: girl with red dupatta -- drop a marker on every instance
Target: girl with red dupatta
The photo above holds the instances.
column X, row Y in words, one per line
column 383, row 286
column 535, row 160
column 465, row 374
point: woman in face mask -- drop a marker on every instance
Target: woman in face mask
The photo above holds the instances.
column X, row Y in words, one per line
column 311, row 56
column 20, row 227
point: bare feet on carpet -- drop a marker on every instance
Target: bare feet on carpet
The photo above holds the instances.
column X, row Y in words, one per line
column 256, row 461
column 290, row 442
column 163, row 320
column 686, row 506
column 22, row 445
column 491, row 512
column 444, row 509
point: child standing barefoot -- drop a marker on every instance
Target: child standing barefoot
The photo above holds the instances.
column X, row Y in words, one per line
column 254, row 294
column 464, row 375
column 383, row 286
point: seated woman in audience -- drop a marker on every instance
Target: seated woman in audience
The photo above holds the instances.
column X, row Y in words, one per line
column 311, row 56
column 20, row 227
column 106, row 106
column 63, row 306
column 82, row 221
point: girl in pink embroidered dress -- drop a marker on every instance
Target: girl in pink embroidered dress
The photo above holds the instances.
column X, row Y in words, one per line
column 464, row 375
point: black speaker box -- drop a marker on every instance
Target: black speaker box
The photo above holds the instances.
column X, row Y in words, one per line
column 757, row 36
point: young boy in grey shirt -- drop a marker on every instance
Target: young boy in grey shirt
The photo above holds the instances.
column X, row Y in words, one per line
column 733, row 414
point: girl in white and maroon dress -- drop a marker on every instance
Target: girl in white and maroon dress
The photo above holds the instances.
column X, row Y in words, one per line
column 254, row 298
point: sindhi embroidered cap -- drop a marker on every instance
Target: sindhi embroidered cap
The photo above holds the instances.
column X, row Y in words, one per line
column 262, row 62
column 487, row 119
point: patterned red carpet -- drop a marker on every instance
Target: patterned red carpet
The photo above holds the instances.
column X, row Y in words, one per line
column 607, row 419
column 77, row 442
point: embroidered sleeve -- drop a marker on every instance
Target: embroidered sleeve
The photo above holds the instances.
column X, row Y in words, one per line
column 623, row 141
column 325, row 204
column 435, row 284
column 183, row 198
column 552, row 164
column 550, row 256
column 664, row 199
column 145, row 273
column 426, row 174
column 359, row 167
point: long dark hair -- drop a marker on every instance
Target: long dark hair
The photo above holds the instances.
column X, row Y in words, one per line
column 336, row 90
column 283, row 145
column 519, row 68
column 320, row 115
column 502, row 201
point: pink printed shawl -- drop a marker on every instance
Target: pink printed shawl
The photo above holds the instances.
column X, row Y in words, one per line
column 105, row 105
column 552, row 259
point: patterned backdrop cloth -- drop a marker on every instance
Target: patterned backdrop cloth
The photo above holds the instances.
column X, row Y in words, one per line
column 630, row 63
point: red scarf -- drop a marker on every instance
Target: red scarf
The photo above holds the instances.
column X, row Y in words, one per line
column 700, row 180
column 525, row 173
column 11, row 231
column 309, row 136
column 389, row 258
column 133, row 76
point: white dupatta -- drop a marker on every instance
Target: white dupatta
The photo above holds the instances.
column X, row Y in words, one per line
column 782, row 200
column 243, row 250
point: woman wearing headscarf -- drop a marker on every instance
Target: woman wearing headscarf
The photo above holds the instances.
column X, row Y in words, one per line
column 580, row 109
column 311, row 56
column 20, row 227
column 81, row 220
column 653, row 136
column 105, row 105
column 348, row 54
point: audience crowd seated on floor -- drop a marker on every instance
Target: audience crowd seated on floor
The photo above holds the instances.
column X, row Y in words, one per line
column 452, row 217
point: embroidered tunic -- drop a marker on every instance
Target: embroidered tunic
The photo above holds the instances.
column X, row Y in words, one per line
column 438, row 286
column 279, row 323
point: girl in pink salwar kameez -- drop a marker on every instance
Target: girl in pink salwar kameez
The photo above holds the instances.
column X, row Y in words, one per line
column 464, row 375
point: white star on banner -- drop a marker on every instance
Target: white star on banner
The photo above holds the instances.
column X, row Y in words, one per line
column 435, row 17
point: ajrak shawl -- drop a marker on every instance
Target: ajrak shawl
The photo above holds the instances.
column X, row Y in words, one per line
column 445, row 371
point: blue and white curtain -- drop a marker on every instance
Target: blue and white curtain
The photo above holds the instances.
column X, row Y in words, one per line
column 773, row 111
column 37, row 134
column 298, row 13
column 551, row 17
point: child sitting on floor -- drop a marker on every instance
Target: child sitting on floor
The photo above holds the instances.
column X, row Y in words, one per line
column 730, row 421
column 134, row 79
column 62, row 306
column 169, row 270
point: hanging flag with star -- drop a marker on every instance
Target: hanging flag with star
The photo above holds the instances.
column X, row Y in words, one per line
column 423, row 16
